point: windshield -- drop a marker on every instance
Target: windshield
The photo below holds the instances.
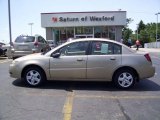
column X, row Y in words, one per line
column 25, row 39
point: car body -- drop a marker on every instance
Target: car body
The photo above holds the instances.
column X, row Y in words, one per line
column 88, row 59
column 3, row 50
column 25, row 45
column 52, row 43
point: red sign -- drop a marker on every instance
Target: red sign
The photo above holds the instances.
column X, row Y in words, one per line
column 54, row 19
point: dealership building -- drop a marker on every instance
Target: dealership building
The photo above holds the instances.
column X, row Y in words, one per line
column 101, row 24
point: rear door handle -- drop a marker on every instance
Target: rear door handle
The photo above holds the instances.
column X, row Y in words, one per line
column 112, row 58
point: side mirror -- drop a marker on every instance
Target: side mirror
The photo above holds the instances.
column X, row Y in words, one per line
column 56, row 55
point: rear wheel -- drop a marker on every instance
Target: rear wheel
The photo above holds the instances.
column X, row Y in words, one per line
column 124, row 79
column 34, row 76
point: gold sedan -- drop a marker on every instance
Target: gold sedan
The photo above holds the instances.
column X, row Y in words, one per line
column 89, row 59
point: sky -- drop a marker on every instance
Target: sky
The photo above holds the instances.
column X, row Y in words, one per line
column 24, row 12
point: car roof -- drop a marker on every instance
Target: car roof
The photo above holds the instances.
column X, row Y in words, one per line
column 91, row 39
column 95, row 39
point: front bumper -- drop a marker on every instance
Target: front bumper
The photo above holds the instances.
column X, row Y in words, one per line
column 14, row 71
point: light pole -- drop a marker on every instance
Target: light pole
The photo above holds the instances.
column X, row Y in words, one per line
column 31, row 26
column 9, row 16
column 157, row 27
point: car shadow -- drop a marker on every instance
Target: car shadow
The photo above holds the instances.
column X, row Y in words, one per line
column 143, row 85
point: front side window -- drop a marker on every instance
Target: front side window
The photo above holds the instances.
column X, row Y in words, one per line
column 105, row 48
column 73, row 49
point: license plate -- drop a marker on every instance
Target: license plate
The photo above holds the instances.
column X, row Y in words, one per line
column 23, row 47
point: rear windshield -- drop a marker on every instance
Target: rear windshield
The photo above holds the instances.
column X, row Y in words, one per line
column 25, row 39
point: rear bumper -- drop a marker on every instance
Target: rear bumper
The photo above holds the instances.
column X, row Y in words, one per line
column 22, row 53
column 147, row 73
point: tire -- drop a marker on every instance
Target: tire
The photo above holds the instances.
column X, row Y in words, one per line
column 13, row 58
column 42, row 50
column 124, row 79
column 34, row 76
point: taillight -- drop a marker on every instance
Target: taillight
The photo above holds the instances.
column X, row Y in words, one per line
column 148, row 57
column 36, row 44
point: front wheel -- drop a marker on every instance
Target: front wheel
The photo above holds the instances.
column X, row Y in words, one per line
column 34, row 76
column 124, row 79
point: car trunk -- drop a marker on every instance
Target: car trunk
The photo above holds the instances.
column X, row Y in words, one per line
column 23, row 46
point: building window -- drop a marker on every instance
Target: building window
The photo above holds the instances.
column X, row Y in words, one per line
column 70, row 32
column 83, row 30
column 112, row 33
column 105, row 32
column 63, row 35
column 97, row 32
column 88, row 30
column 56, row 35
column 79, row 30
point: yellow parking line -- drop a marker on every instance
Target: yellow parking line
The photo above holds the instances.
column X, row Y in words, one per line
column 67, row 109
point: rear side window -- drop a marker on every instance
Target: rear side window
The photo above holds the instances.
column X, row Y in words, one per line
column 41, row 40
column 117, row 49
column 105, row 48
column 25, row 39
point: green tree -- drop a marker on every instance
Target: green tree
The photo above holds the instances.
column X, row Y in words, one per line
column 144, row 37
column 147, row 33
column 141, row 26
column 127, row 32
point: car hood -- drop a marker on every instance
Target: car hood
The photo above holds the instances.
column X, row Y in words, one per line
column 30, row 57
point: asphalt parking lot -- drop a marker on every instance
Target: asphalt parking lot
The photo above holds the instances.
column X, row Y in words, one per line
column 79, row 100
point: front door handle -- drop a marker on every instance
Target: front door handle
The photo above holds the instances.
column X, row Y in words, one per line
column 79, row 59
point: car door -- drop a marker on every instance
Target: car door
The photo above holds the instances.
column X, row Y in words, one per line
column 104, row 58
column 71, row 64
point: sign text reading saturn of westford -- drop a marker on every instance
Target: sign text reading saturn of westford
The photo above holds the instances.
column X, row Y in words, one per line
column 86, row 18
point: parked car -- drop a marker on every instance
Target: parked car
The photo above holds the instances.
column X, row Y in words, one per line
column 52, row 43
column 3, row 50
column 25, row 45
column 89, row 59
